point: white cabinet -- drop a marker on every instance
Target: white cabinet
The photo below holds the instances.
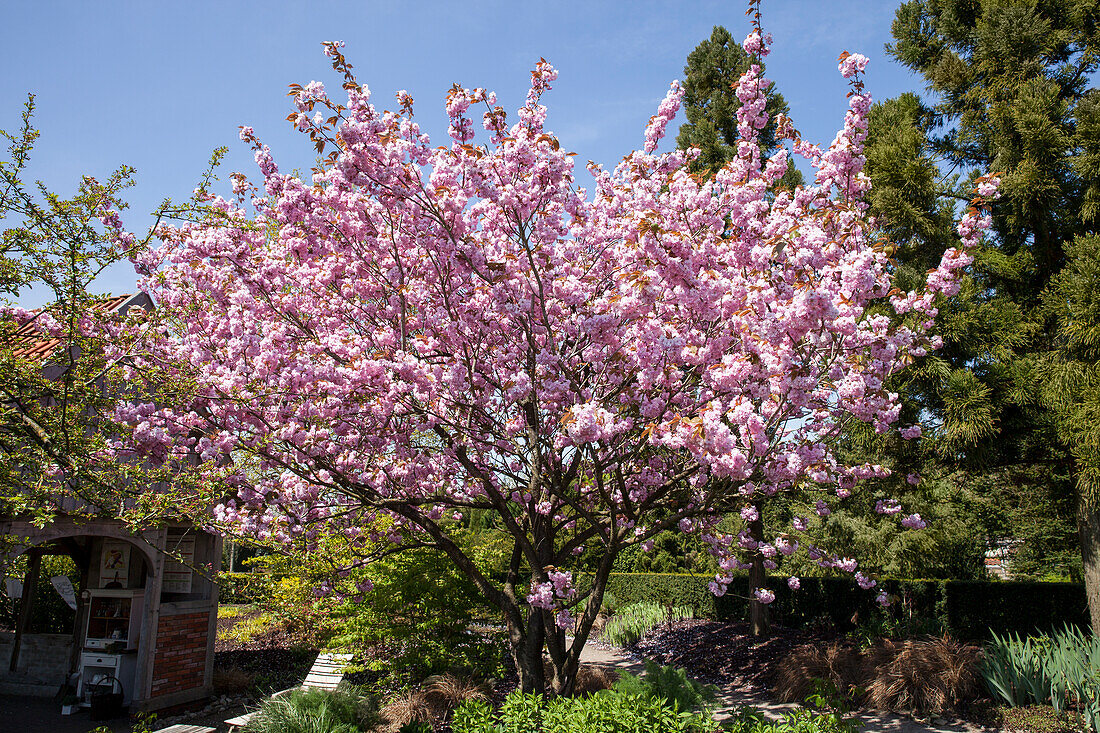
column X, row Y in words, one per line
column 110, row 640
column 114, row 618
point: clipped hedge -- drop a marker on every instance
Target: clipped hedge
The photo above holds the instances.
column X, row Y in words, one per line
column 967, row 609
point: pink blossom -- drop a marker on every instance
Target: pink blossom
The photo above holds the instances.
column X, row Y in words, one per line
column 852, row 64
column 913, row 521
column 764, row 595
column 794, row 583
column 887, row 506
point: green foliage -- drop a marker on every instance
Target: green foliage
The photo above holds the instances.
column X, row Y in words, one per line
column 800, row 720
column 58, row 388
column 418, row 615
column 52, row 406
column 50, row 614
column 416, row 726
column 1058, row 669
column 1071, row 374
column 610, row 711
column 667, row 683
column 662, row 589
column 632, row 622
column 952, row 547
column 344, row 710
column 1009, row 92
column 415, row 620
column 673, row 552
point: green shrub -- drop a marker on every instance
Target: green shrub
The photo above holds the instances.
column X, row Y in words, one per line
column 667, row 683
column 607, row 712
column 1059, row 669
column 344, row 710
column 631, row 623
column 802, row 720
column 49, row 614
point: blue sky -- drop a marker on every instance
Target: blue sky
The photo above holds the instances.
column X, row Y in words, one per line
column 157, row 86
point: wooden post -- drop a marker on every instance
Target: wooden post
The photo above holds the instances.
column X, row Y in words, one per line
column 30, row 581
column 80, row 556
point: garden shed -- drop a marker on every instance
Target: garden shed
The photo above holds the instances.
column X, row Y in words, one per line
column 141, row 616
column 90, row 604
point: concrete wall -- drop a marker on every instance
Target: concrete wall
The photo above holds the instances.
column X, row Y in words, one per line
column 43, row 659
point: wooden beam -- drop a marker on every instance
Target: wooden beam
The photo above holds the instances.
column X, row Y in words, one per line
column 77, row 551
column 26, row 603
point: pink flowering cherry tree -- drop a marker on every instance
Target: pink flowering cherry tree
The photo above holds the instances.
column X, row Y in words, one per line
column 419, row 332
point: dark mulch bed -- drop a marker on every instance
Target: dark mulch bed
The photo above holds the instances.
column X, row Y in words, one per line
column 1031, row 719
column 271, row 669
column 721, row 653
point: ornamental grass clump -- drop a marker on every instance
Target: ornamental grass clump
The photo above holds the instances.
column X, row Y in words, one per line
column 838, row 663
column 921, row 675
column 1061, row 670
column 344, row 710
column 633, row 622
column 930, row 674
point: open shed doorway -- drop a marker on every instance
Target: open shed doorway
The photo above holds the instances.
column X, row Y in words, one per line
column 71, row 618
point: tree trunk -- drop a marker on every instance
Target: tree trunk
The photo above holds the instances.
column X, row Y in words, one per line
column 1088, row 532
column 759, row 624
column 526, row 648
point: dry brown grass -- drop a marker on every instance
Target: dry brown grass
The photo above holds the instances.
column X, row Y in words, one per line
column 448, row 691
column 231, row 680
column 432, row 702
column 837, row 663
column 923, row 675
column 591, row 678
column 412, row 706
column 928, row 675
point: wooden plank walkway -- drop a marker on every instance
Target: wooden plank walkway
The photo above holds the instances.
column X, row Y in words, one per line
column 326, row 674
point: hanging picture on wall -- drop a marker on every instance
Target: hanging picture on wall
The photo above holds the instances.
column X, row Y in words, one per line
column 177, row 572
column 114, row 564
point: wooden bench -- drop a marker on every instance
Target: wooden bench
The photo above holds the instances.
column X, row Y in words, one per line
column 181, row 728
column 326, row 674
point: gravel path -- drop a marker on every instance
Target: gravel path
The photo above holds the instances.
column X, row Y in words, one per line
column 730, row 698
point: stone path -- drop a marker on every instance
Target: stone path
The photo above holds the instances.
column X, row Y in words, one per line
column 729, row 699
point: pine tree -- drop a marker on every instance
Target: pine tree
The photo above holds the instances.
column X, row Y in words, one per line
column 1071, row 380
column 1008, row 84
column 710, row 77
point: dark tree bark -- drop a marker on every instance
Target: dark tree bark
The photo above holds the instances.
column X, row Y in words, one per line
column 1088, row 531
column 759, row 624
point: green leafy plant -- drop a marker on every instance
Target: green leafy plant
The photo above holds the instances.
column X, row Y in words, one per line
column 1059, row 670
column 414, row 726
column 801, row 720
column 667, row 683
column 632, row 622
column 344, row 710
column 613, row 711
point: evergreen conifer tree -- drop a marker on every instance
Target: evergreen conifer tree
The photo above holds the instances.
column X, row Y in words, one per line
column 1009, row 92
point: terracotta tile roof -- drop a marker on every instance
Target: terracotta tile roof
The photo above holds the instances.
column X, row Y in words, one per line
column 30, row 344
